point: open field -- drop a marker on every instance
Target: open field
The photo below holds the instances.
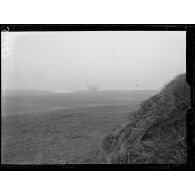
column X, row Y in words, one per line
column 32, row 101
column 59, row 128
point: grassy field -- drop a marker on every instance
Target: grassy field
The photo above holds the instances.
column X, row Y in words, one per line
column 75, row 127
column 32, row 101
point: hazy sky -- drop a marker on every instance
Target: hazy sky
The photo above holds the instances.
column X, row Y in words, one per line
column 62, row 61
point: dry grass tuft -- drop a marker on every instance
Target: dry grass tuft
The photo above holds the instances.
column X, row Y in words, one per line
column 156, row 133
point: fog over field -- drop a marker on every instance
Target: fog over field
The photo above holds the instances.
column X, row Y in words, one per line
column 110, row 60
column 63, row 92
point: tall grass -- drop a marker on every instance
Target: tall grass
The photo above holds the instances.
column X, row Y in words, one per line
column 156, row 133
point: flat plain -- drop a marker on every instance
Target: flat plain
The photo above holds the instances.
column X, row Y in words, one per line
column 51, row 128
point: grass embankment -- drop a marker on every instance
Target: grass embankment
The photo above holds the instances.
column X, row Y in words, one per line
column 154, row 134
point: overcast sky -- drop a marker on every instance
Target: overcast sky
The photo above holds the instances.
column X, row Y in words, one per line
column 63, row 61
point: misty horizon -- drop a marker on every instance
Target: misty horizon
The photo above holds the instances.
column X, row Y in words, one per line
column 72, row 61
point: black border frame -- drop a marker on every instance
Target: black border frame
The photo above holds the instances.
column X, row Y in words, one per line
column 190, row 74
